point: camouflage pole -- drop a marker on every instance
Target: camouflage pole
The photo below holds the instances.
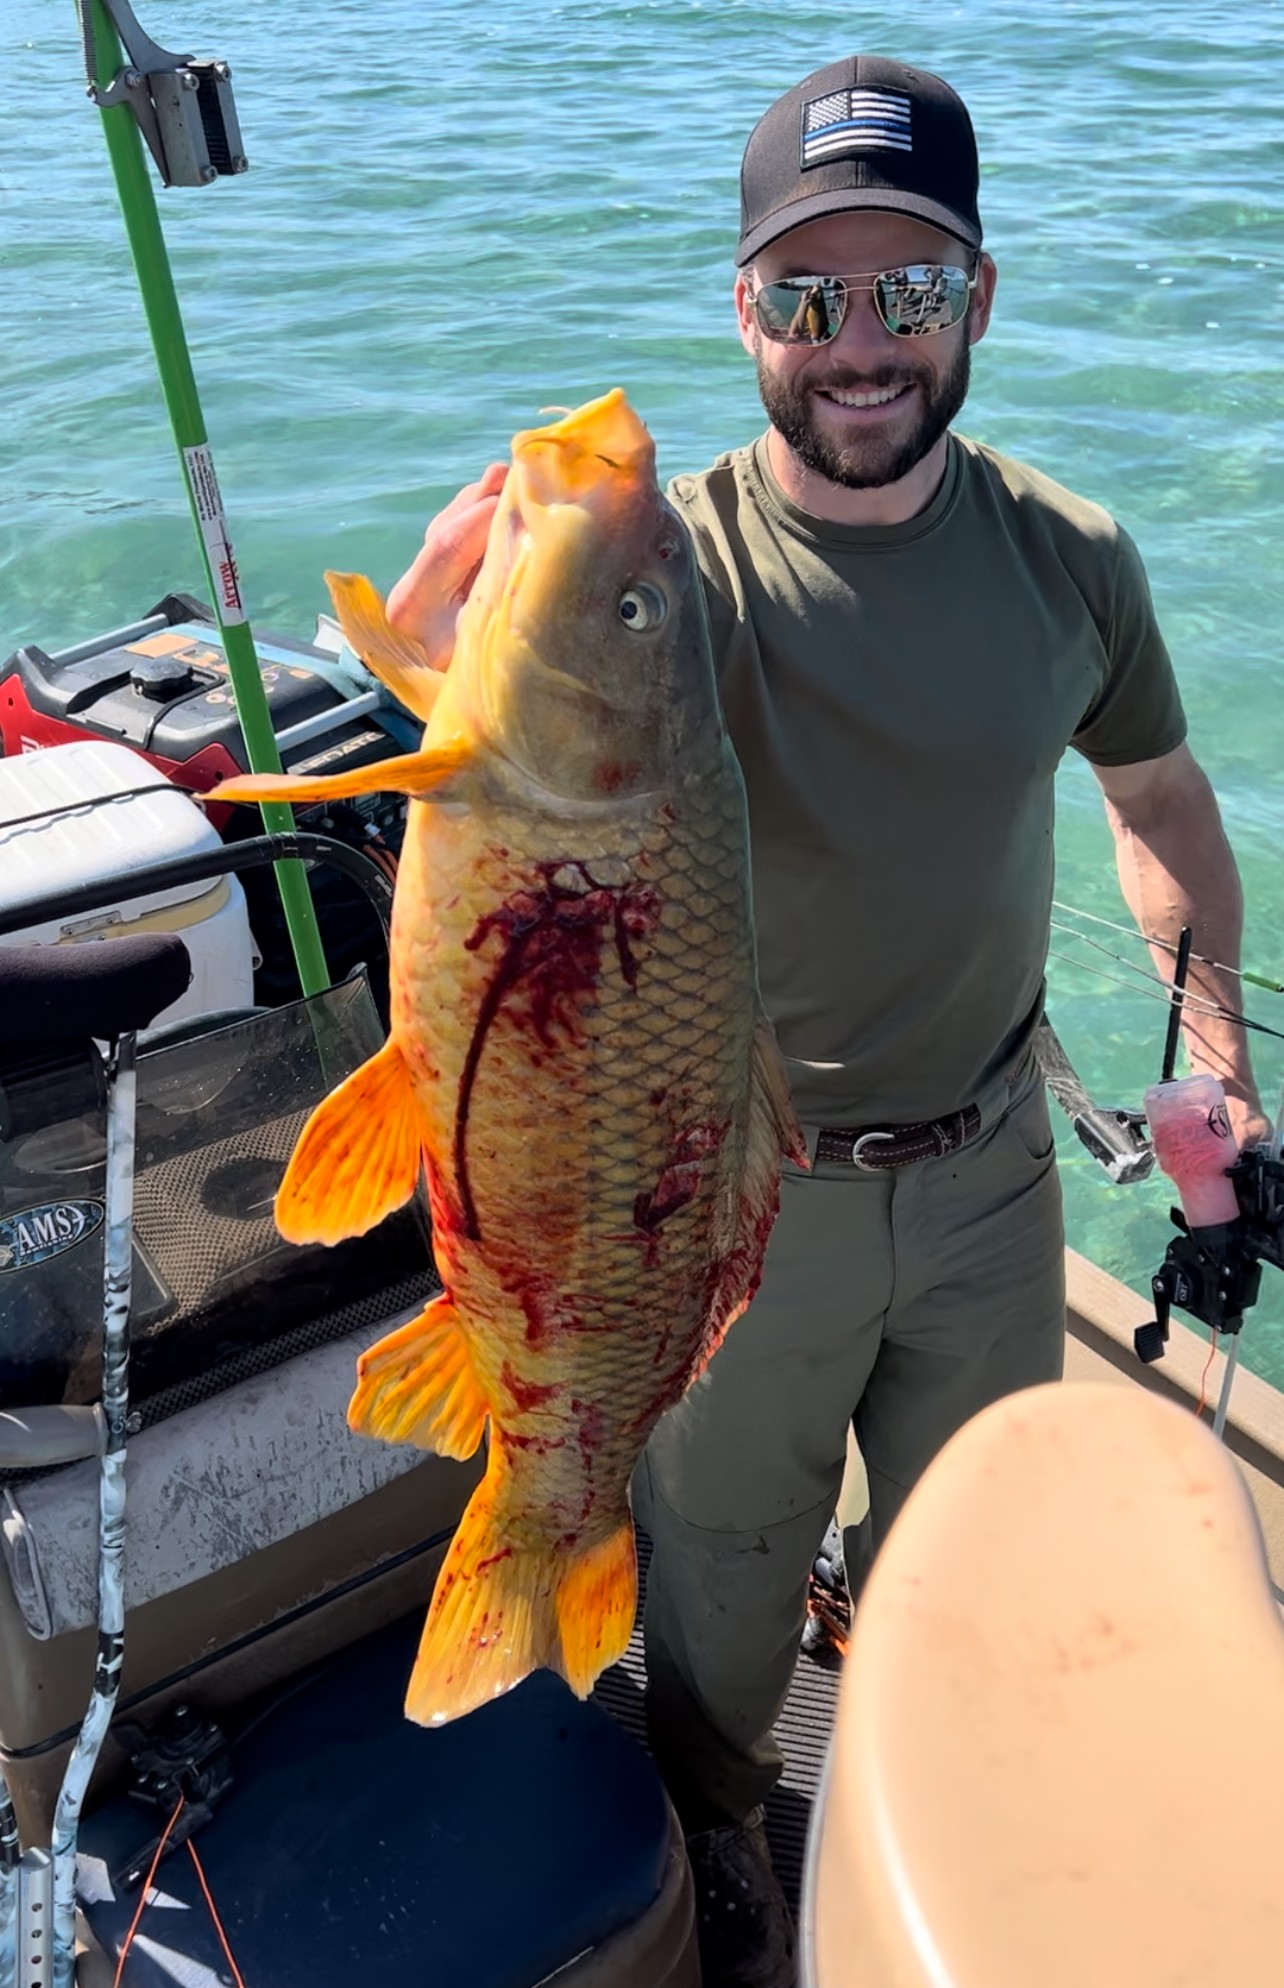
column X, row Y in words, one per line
column 8, row 1889
column 118, row 1257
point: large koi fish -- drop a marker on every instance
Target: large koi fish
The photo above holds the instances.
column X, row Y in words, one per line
column 578, row 1057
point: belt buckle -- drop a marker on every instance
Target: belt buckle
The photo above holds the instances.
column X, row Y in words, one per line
column 865, row 1139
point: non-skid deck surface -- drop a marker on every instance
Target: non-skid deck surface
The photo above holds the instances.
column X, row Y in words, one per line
column 803, row 1732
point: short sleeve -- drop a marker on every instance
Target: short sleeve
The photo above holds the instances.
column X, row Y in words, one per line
column 1138, row 713
column 713, row 563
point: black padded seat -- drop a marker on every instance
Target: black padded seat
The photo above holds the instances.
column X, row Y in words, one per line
column 355, row 1846
column 98, row 988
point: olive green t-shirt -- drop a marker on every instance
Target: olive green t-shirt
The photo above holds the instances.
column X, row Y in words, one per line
column 899, row 698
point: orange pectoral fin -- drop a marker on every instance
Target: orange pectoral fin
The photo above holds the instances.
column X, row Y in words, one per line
column 423, row 775
column 357, row 1158
column 419, row 1385
column 398, row 661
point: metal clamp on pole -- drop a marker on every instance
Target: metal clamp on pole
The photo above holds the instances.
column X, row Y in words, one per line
column 183, row 107
column 1115, row 1135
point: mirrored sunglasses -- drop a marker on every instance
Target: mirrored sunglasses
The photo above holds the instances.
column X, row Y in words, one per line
column 913, row 302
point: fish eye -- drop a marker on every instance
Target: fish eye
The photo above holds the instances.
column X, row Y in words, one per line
column 642, row 607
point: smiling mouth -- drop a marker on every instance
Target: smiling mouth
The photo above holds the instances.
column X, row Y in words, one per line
column 864, row 397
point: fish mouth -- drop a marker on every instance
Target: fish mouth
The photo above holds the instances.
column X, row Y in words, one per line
column 600, row 448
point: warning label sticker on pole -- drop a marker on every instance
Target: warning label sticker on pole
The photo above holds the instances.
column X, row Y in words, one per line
column 218, row 546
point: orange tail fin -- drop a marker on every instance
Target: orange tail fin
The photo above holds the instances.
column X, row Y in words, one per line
column 500, row 1611
column 357, row 1158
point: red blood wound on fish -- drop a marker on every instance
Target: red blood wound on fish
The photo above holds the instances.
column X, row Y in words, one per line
column 610, row 776
column 549, row 965
column 492, row 1560
column 527, row 1394
column 676, row 1188
column 679, row 1183
column 592, row 1429
column 549, row 1312
column 535, row 1445
column 535, row 1300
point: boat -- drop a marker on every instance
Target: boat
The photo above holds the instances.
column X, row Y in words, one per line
column 277, row 1566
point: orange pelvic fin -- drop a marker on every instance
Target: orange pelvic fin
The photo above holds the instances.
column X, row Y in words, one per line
column 398, row 661
column 422, row 775
column 500, row 1611
column 419, row 1385
column 357, row 1158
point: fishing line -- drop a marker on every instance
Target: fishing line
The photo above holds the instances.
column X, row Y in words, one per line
column 1194, row 1004
column 1152, row 939
column 1197, row 1003
column 1082, row 939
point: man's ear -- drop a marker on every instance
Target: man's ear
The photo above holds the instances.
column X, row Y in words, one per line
column 978, row 318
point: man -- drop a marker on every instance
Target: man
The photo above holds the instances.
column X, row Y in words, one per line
column 909, row 630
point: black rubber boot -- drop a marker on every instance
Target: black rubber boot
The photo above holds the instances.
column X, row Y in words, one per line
column 744, row 1926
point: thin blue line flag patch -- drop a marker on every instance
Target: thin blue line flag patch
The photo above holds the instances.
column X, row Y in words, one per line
column 850, row 121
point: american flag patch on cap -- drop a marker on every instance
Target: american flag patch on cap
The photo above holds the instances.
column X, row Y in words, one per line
column 850, row 121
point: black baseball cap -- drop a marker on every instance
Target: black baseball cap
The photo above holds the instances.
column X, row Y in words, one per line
column 863, row 133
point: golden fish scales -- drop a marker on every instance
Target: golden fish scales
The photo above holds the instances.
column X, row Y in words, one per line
column 577, row 1055
column 601, row 1155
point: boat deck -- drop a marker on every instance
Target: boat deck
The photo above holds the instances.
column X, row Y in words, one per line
column 803, row 1732
column 1102, row 1314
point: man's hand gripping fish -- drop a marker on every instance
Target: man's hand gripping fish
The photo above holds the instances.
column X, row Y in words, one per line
column 577, row 1055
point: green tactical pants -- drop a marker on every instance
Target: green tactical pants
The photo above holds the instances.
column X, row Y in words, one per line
column 900, row 1303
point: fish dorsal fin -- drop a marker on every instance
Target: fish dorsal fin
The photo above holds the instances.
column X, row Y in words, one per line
column 399, row 662
column 773, row 1132
column 772, row 1118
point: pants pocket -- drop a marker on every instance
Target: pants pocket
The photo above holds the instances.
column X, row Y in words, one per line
column 1030, row 1121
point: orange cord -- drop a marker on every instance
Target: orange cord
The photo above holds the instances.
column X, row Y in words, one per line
column 833, row 1617
column 218, row 1923
column 1203, row 1379
column 147, row 1885
column 377, row 850
column 142, row 1903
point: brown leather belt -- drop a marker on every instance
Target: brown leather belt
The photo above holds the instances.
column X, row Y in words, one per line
column 880, row 1147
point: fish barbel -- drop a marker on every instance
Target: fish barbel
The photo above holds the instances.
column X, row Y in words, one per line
column 577, row 1051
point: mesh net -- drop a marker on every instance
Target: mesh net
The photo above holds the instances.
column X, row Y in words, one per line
column 218, row 1295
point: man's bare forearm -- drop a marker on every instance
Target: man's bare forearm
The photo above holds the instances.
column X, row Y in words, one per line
column 1176, row 868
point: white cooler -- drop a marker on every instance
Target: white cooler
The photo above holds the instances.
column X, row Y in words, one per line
column 60, row 827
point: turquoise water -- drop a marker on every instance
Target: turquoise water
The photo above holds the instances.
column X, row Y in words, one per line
column 458, row 215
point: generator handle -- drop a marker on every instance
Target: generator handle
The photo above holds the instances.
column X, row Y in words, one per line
column 228, row 859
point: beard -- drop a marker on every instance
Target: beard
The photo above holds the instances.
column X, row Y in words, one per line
column 870, row 461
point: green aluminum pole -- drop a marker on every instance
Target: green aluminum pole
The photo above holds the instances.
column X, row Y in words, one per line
column 147, row 243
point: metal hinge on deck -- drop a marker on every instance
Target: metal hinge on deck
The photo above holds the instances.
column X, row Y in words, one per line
column 183, row 1760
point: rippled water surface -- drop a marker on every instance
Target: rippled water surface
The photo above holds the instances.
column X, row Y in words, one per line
column 457, row 215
